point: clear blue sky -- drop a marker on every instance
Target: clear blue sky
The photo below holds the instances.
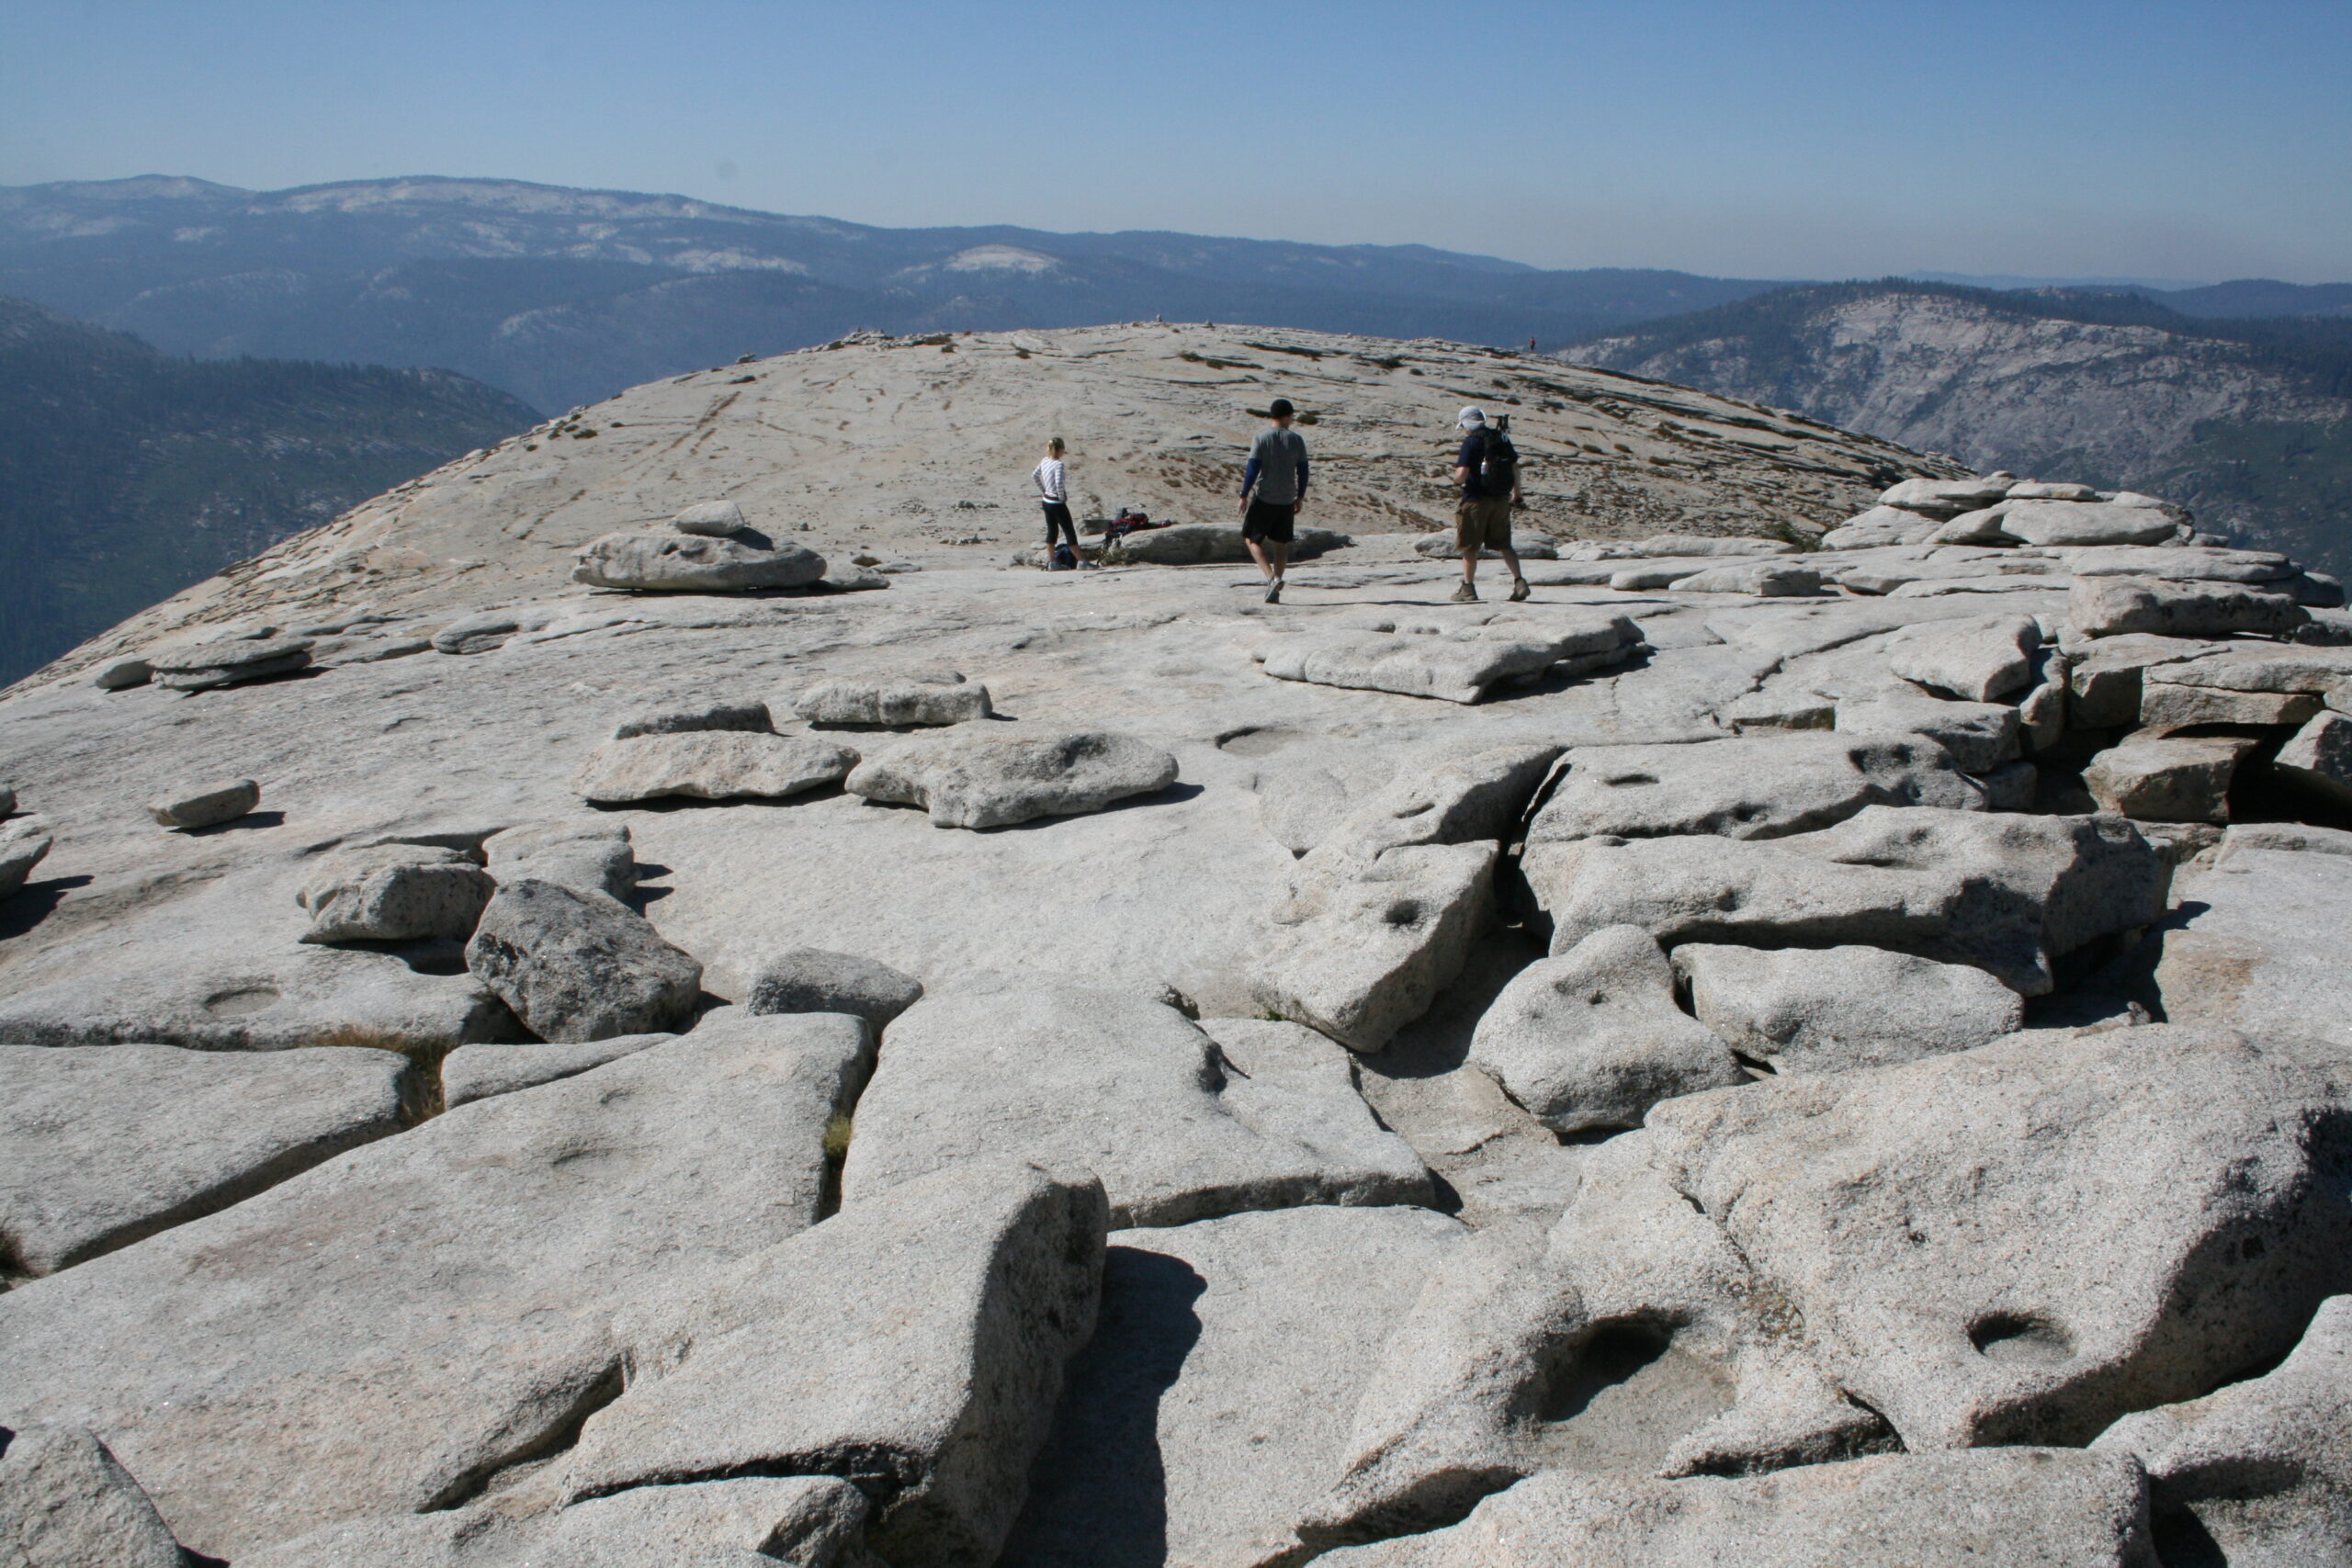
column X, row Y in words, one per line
column 1762, row 139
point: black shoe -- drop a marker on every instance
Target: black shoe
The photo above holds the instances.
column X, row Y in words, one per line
column 1274, row 593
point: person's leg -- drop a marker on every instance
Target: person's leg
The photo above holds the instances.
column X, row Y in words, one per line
column 1257, row 553
column 1280, row 551
column 1466, row 545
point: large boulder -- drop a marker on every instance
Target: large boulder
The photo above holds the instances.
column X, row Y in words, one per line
column 1592, row 1038
column 1443, row 546
column 686, row 563
column 2003, row 892
column 1761, row 786
column 969, row 779
column 2106, row 607
column 1980, row 736
column 578, row 966
column 2105, row 678
column 1452, row 797
column 1179, row 1126
column 2264, row 1467
column 66, row 1502
column 110, row 1143
column 1205, row 1415
column 388, row 1331
column 711, row 764
column 394, row 893
column 1833, row 1009
column 1878, row 526
column 2008, row 1508
column 914, row 1344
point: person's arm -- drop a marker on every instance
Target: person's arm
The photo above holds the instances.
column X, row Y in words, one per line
column 1302, row 484
column 1248, row 478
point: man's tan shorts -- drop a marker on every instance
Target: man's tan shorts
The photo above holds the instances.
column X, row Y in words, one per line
column 1483, row 524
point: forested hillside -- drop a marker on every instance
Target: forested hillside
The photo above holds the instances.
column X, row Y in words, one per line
column 125, row 475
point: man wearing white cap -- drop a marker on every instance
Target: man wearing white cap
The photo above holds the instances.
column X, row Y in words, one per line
column 1488, row 470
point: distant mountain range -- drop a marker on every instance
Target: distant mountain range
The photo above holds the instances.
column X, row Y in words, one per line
column 2248, row 420
column 563, row 297
column 125, row 475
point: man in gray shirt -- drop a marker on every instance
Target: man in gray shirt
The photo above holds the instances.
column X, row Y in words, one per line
column 1273, row 487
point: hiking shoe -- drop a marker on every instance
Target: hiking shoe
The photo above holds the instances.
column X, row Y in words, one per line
column 1274, row 594
column 1465, row 594
column 1518, row 589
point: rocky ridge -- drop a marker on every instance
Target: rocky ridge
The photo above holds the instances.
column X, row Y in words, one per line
column 1839, row 1048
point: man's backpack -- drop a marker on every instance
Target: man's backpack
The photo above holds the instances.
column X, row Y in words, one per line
column 1065, row 558
column 1497, row 464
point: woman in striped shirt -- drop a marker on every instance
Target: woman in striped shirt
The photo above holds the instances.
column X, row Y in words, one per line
column 1053, row 491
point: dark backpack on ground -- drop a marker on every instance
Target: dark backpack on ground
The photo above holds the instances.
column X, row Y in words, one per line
column 1497, row 464
column 1065, row 558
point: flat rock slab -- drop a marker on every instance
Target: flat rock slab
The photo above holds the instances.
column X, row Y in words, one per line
column 1177, row 1128
column 477, row 1072
column 1198, row 543
column 227, row 662
column 1975, row 661
column 2014, row 1508
column 587, row 855
column 1838, row 1008
column 1759, row 786
column 907, row 704
column 1455, row 667
column 1763, row 579
column 580, row 966
column 678, row 718
column 110, row 1143
column 2257, row 942
column 206, row 805
column 2190, row 563
column 1947, row 497
column 1207, row 1413
column 306, row 997
column 2106, row 607
column 2062, row 523
column 971, row 780
column 2004, row 892
column 710, row 764
column 686, row 563
column 914, row 1345
column 385, row 1331
column 800, row 1521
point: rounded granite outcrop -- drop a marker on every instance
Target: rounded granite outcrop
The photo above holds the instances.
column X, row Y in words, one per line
column 1802, row 1055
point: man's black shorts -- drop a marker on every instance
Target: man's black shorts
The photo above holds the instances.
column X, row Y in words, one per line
column 1268, row 520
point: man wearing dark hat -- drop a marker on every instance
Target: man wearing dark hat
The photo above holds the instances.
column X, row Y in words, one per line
column 1273, row 486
